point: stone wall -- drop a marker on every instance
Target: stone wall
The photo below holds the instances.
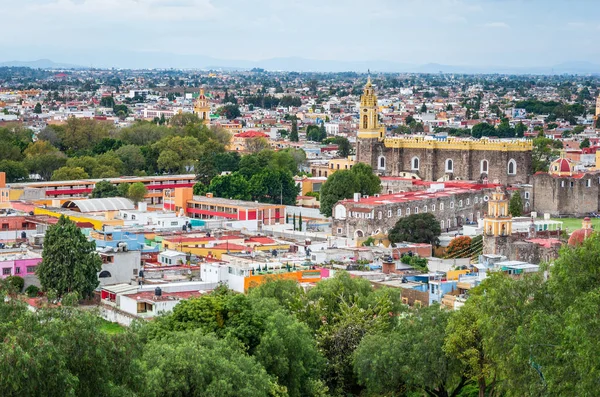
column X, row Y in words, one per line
column 566, row 195
column 467, row 164
column 457, row 208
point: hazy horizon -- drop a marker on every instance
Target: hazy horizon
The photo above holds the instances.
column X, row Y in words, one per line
column 182, row 33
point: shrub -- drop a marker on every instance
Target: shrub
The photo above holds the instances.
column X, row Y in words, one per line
column 16, row 282
column 32, row 291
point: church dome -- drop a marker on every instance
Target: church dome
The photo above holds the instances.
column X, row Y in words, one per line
column 578, row 236
column 562, row 166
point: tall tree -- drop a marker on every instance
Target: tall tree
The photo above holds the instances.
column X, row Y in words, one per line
column 416, row 228
column 70, row 262
column 343, row 184
column 544, row 151
column 515, row 206
column 294, row 132
column 104, row 189
column 410, row 358
column 194, row 364
column 344, row 146
column 137, row 191
column 69, row 174
column 38, row 108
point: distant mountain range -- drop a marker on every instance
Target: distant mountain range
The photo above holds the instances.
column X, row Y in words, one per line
column 146, row 60
column 40, row 64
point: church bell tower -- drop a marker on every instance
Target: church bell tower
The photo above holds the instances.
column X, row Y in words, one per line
column 369, row 127
column 202, row 108
column 497, row 225
column 370, row 135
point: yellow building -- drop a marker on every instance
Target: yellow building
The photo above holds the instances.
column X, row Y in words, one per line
column 341, row 164
column 498, row 222
column 4, row 192
column 369, row 126
column 202, row 108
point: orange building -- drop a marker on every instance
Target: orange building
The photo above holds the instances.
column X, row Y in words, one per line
column 4, row 192
column 84, row 187
column 209, row 207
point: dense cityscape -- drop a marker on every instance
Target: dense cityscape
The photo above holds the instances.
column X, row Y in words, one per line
column 271, row 228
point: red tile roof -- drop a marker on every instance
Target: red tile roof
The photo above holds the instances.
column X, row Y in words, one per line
column 251, row 134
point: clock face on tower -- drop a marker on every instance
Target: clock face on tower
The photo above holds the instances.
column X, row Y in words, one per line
column 365, row 110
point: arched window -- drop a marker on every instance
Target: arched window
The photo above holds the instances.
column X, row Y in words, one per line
column 424, row 208
column 104, row 274
column 460, row 203
column 415, row 164
column 416, row 210
column 399, row 211
column 449, row 165
column 484, row 166
column 432, row 207
column 359, row 233
column 442, row 224
column 407, row 211
column 382, row 163
column 365, row 121
column 380, row 214
column 512, row 167
column 441, row 206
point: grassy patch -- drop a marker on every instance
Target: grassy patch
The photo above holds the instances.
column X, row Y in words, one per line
column 111, row 328
column 575, row 223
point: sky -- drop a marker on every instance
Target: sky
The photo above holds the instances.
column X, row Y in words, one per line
column 150, row 33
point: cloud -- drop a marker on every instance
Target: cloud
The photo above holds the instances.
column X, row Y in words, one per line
column 496, row 25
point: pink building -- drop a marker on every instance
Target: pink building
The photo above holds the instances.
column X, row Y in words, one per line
column 18, row 263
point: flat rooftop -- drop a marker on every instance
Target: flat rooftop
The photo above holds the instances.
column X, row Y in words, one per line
column 233, row 203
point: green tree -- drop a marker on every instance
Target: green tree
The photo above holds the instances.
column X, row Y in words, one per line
column 585, row 143
column 15, row 170
column 229, row 111
column 45, row 165
column 38, row 108
column 300, row 222
column 70, row 262
column 69, row 174
column 339, row 186
column 123, row 189
column 482, row 129
column 410, row 358
column 107, row 101
column 544, row 150
column 207, row 166
column 40, row 148
column 416, row 228
column 194, row 364
column 233, row 186
column 137, row 191
column 275, row 186
column 520, row 130
column 344, row 147
column 515, row 206
column 465, row 340
column 82, row 134
column 288, row 351
column 104, row 189
column 132, row 158
column 88, row 163
column 367, row 182
column 255, row 145
column 294, row 132
column 343, row 184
